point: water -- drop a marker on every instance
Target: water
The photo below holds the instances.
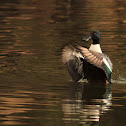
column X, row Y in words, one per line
column 35, row 87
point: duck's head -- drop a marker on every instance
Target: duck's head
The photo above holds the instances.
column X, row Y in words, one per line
column 95, row 36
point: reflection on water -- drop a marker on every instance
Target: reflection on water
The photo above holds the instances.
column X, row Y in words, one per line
column 87, row 104
column 9, row 41
column 35, row 88
column 13, row 105
column 23, row 106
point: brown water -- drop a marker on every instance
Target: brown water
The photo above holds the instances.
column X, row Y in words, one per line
column 35, row 88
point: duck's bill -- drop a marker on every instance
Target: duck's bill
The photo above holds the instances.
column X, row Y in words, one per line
column 87, row 38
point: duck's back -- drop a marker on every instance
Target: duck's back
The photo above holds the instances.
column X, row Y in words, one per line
column 93, row 73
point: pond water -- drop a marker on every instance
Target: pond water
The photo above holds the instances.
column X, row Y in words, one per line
column 35, row 87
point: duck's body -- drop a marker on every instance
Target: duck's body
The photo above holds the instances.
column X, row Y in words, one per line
column 90, row 64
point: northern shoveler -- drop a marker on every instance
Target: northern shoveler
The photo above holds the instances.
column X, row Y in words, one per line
column 90, row 64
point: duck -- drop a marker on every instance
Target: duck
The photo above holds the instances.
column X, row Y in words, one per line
column 87, row 63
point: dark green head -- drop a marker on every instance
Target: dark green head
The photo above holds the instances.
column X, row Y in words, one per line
column 95, row 36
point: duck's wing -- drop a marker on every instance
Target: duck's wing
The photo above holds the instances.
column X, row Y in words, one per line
column 73, row 59
column 97, row 59
column 107, row 66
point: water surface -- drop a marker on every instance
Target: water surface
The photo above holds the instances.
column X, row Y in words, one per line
column 35, row 87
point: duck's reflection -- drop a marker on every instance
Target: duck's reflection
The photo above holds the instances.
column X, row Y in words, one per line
column 86, row 103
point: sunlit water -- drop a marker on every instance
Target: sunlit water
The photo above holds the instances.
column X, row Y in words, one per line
column 35, row 87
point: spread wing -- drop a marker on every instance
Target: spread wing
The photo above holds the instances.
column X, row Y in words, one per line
column 73, row 59
column 97, row 59
column 92, row 57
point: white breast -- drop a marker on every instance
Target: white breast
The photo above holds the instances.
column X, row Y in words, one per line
column 95, row 47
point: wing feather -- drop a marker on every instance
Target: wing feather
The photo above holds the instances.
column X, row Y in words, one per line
column 94, row 58
column 73, row 59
